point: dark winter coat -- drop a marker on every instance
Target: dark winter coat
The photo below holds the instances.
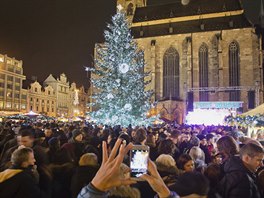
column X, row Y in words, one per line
column 83, row 176
column 238, row 181
column 18, row 183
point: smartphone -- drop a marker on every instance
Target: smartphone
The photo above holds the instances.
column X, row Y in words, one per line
column 139, row 155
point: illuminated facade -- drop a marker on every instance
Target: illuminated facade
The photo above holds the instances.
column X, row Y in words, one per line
column 209, row 50
column 12, row 99
column 41, row 99
column 62, row 91
column 79, row 99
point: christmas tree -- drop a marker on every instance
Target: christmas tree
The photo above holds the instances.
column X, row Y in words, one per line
column 119, row 79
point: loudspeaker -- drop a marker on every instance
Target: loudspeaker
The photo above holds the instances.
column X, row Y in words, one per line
column 251, row 99
column 190, row 101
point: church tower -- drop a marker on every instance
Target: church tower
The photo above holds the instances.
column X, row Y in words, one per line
column 130, row 6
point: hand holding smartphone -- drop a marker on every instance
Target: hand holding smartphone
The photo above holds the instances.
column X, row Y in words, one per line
column 139, row 155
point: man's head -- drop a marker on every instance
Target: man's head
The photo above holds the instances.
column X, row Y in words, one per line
column 48, row 132
column 23, row 157
column 27, row 137
column 252, row 156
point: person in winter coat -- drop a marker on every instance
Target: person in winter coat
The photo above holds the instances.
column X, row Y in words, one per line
column 19, row 181
column 239, row 173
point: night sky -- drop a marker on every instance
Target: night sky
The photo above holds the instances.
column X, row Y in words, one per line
column 56, row 36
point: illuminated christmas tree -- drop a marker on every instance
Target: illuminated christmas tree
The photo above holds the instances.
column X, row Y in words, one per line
column 121, row 97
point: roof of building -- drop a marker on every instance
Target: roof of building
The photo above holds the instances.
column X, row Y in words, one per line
column 195, row 7
column 192, row 26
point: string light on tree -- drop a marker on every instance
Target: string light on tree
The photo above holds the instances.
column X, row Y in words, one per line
column 121, row 97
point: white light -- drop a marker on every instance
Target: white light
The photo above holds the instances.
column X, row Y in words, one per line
column 207, row 116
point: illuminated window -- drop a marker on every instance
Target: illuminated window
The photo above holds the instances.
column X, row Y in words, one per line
column 1, row 104
column 23, row 106
column 171, row 73
column 234, row 70
column 1, row 59
column 8, row 105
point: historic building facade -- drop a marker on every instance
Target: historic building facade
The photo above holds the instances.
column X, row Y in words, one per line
column 12, row 99
column 61, row 87
column 41, row 99
column 198, row 50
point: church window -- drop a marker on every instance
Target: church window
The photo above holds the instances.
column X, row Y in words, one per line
column 203, row 71
column 130, row 9
column 234, row 73
column 171, row 74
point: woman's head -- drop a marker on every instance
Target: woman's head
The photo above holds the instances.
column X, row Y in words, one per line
column 196, row 153
column 186, row 163
column 166, row 147
column 166, row 160
column 227, row 146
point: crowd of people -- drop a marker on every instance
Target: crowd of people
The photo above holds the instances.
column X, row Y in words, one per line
column 69, row 160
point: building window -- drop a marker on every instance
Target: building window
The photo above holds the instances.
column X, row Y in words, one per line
column 31, row 99
column 2, row 84
column 18, row 70
column 17, row 88
column 2, row 93
column 17, row 80
column 48, row 102
column 234, row 70
column 2, row 76
column 9, row 86
column 17, row 95
column 37, row 99
column 36, row 89
column 24, row 97
column 130, row 9
column 23, row 106
column 48, row 92
column 203, row 71
column 10, row 78
column 8, row 105
column 171, row 73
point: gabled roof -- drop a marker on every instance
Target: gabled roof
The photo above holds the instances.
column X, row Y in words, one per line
column 50, row 78
column 195, row 7
column 211, row 24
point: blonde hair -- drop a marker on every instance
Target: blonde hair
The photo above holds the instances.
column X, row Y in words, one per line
column 196, row 153
column 166, row 160
column 88, row 159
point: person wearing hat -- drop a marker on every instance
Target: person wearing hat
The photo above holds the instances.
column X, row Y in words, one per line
column 75, row 146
